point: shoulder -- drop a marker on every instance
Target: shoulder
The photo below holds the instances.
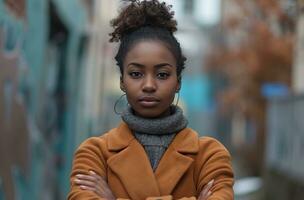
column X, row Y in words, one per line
column 212, row 153
column 114, row 140
column 96, row 142
column 91, row 155
column 211, row 144
column 209, row 150
column 205, row 144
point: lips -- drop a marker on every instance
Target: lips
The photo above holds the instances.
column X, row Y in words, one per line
column 148, row 101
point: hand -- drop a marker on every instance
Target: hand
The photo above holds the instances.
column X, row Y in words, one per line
column 205, row 193
column 95, row 183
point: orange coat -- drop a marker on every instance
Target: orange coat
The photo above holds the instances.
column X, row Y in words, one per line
column 186, row 167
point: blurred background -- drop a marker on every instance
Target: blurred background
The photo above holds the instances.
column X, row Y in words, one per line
column 243, row 85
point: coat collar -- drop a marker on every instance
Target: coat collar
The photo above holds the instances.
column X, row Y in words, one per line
column 176, row 160
column 185, row 141
column 120, row 137
column 132, row 166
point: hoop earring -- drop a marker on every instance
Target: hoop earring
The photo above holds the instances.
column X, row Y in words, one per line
column 116, row 102
column 177, row 99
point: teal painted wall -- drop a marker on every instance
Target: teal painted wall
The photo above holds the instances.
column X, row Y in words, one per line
column 51, row 149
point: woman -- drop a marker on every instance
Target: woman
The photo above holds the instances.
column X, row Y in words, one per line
column 151, row 154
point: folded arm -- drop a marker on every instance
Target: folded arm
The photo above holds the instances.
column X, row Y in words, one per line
column 87, row 158
column 217, row 166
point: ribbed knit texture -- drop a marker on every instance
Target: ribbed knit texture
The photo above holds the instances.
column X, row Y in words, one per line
column 155, row 134
column 155, row 146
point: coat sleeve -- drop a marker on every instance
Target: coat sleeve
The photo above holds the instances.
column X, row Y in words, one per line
column 87, row 157
column 216, row 165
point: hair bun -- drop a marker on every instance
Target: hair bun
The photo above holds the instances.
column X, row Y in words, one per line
column 142, row 13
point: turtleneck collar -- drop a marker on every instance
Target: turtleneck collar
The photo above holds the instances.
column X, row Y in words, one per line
column 156, row 126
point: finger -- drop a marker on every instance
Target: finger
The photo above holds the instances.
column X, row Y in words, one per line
column 90, row 181
column 205, row 197
column 93, row 189
column 86, row 177
column 88, row 188
column 93, row 181
column 101, row 180
column 96, row 175
column 85, row 182
column 209, row 185
column 103, row 189
column 207, row 188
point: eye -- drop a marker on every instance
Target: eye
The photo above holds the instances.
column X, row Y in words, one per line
column 135, row 74
column 163, row 75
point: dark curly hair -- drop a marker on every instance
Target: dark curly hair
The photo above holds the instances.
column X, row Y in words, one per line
column 146, row 20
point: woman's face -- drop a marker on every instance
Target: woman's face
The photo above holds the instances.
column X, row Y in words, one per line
column 150, row 79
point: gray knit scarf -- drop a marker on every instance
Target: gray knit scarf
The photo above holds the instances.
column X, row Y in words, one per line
column 156, row 126
column 155, row 135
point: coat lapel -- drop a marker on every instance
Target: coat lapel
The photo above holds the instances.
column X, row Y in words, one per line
column 131, row 164
column 174, row 163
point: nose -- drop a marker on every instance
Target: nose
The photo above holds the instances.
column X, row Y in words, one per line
column 149, row 84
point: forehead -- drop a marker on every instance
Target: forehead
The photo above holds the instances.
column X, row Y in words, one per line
column 150, row 50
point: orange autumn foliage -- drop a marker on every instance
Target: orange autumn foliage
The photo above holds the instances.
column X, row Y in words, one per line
column 262, row 54
column 256, row 47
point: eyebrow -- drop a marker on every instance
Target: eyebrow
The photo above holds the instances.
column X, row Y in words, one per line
column 157, row 66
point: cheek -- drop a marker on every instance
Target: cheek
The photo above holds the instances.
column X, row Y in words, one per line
column 131, row 92
column 130, row 96
column 169, row 93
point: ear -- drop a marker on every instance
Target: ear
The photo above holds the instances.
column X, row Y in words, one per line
column 122, row 87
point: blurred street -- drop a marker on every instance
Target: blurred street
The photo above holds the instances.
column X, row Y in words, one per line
column 243, row 84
